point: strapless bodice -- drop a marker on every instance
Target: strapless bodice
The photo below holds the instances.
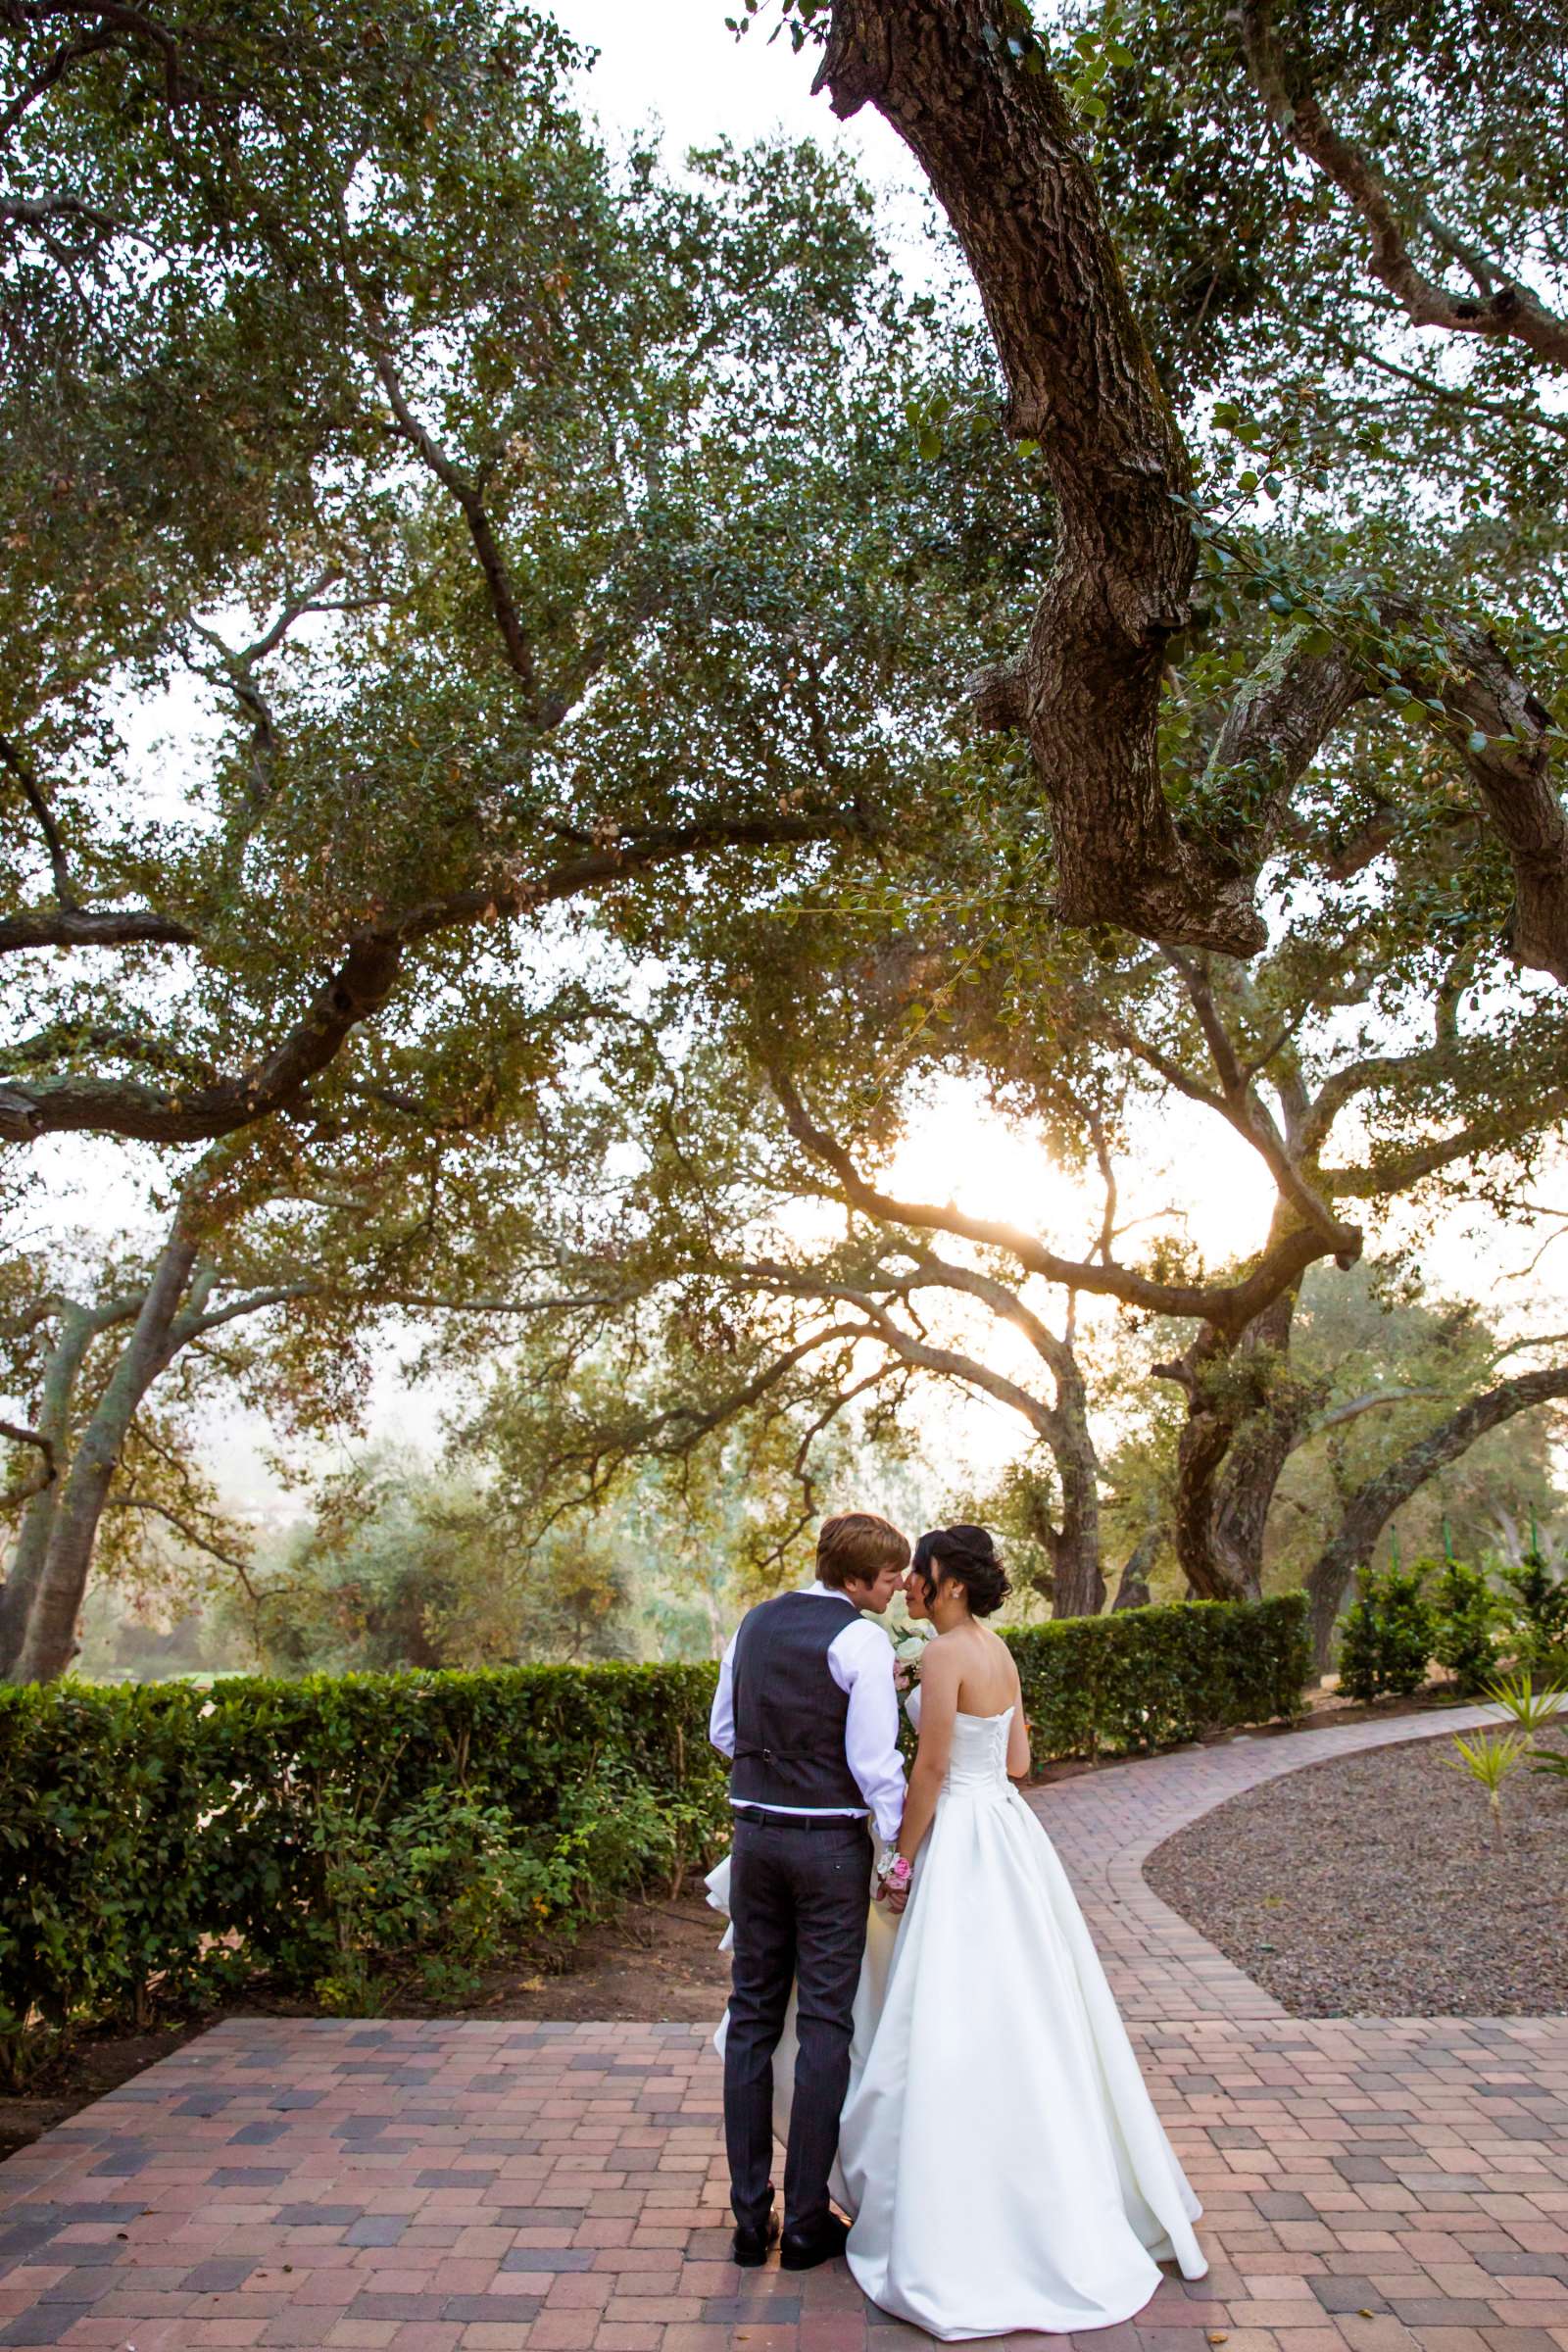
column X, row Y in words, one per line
column 979, row 1759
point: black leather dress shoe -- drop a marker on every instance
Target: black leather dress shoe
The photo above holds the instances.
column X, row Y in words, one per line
column 803, row 2251
column 748, row 2247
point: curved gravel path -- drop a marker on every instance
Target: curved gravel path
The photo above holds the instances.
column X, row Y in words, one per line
column 1375, row 1885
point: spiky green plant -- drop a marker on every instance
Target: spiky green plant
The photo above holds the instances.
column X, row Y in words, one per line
column 1490, row 1763
column 1531, row 1709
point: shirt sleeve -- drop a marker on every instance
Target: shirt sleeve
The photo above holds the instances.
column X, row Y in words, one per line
column 722, row 1721
column 860, row 1662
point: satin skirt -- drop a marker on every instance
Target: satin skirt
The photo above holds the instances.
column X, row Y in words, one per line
column 999, row 2151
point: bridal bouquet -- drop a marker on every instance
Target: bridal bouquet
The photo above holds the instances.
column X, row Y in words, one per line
column 908, row 1651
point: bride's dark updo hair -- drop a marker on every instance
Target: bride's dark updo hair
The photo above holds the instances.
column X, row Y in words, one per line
column 966, row 1556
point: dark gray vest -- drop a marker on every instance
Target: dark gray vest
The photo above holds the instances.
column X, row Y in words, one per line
column 790, row 1713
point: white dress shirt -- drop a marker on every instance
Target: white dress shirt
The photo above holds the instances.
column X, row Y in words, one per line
column 860, row 1662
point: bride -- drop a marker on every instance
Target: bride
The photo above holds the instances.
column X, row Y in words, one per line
column 998, row 2149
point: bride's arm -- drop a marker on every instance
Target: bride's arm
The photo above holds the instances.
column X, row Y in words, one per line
column 1018, row 1758
column 939, row 1707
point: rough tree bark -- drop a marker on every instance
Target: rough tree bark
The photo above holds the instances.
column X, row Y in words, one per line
column 1374, row 1504
column 1003, row 155
column 1242, row 1422
column 1078, row 1580
column 1131, row 1589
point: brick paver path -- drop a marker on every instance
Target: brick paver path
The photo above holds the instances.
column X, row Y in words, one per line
column 1370, row 2185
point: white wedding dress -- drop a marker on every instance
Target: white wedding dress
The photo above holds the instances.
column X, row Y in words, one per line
column 998, row 2149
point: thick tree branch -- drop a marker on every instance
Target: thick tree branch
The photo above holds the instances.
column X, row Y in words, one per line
column 1374, row 1401
column 356, row 992
column 1374, row 1504
column 992, row 131
column 1508, row 310
column 48, row 1469
column 1499, row 729
column 1278, row 720
column 1228, row 1307
column 194, row 1326
column 91, row 927
column 67, row 923
column 1511, row 770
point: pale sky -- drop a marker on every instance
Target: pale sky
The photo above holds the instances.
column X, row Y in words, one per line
column 673, row 62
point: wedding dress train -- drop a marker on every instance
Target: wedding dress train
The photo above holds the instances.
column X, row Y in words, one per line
column 998, row 2149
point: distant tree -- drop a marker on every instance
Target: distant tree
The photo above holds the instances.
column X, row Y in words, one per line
column 402, row 1566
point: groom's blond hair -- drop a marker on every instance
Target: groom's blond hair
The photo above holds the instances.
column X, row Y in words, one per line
column 855, row 1546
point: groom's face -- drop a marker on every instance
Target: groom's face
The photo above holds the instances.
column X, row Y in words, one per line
column 878, row 1594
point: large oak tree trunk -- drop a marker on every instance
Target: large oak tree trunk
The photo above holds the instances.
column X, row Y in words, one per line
column 29, row 1560
column 43, row 1605
column 1374, row 1504
column 1263, row 1440
column 1078, row 1583
column 1243, row 1415
column 1132, row 1590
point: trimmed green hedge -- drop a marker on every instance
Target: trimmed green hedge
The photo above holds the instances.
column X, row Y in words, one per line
column 170, row 1835
column 1153, row 1678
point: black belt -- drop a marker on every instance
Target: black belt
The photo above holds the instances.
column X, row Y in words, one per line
column 764, row 1815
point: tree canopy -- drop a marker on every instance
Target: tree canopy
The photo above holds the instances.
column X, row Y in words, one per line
column 654, row 697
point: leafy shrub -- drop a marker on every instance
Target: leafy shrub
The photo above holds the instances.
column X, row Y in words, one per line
column 441, row 1889
column 332, row 1829
column 1540, row 1616
column 1388, row 1635
column 1466, row 1617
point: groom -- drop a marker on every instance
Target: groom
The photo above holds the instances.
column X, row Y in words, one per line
column 806, row 1712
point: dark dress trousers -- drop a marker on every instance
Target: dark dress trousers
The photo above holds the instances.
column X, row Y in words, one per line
column 799, row 1891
